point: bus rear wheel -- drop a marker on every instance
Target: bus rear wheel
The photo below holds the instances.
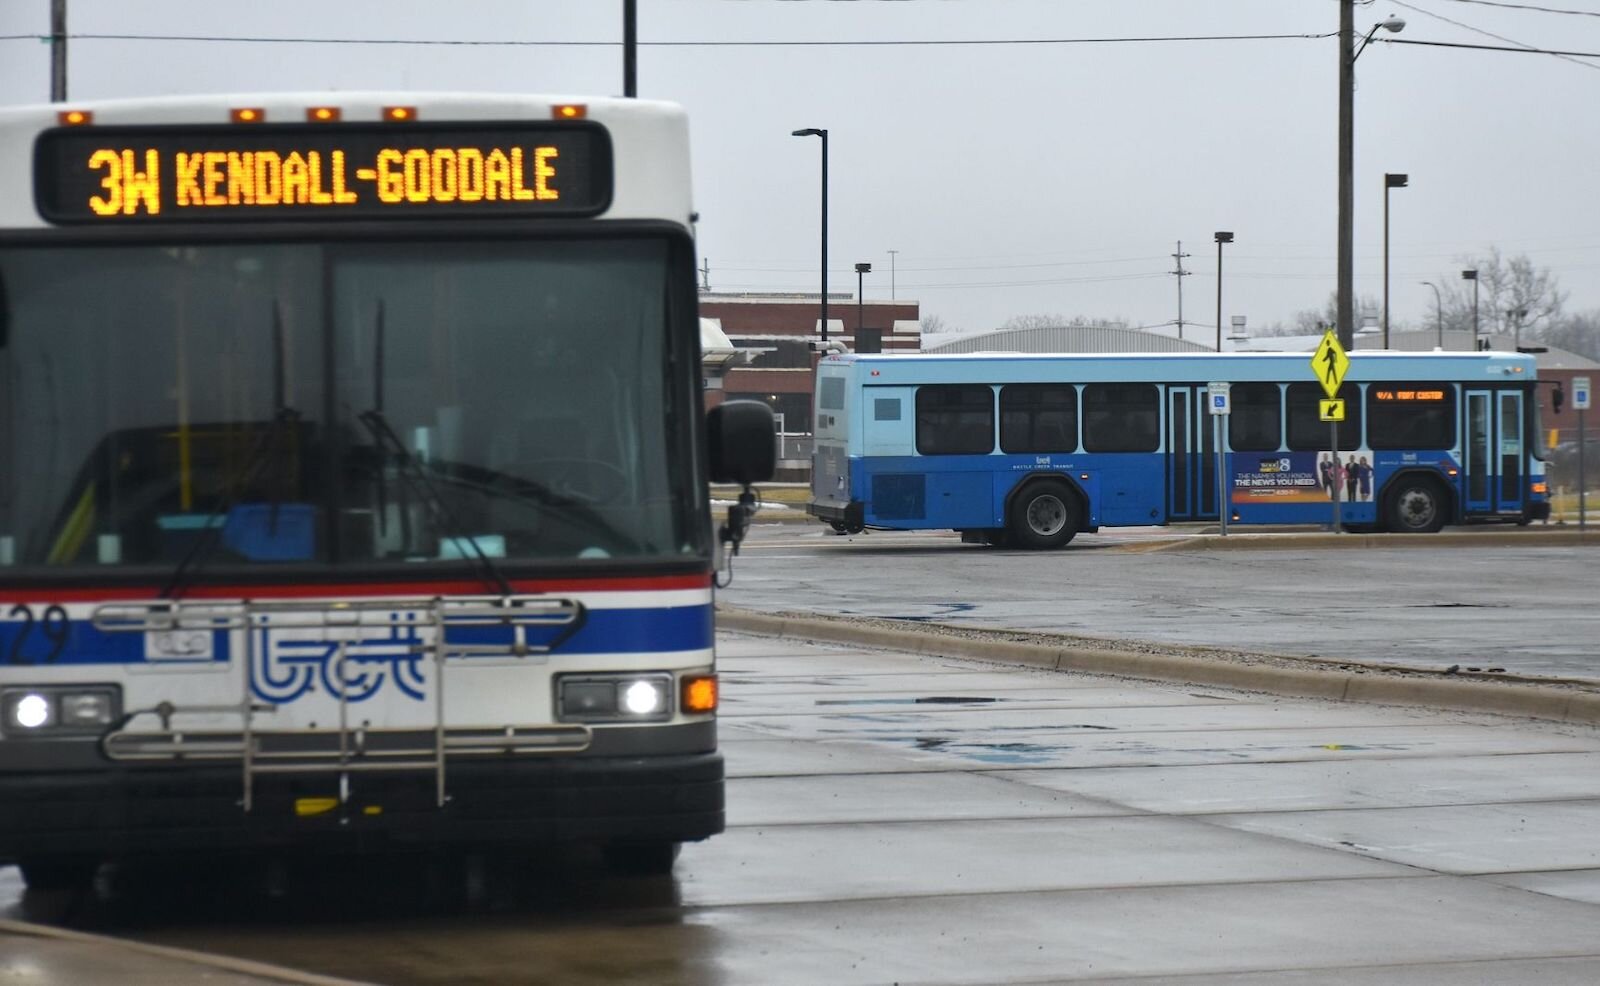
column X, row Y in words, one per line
column 1045, row 515
column 1416, row 506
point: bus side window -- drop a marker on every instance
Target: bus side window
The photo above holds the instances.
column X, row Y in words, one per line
column 1121, row 417
column 955, row 419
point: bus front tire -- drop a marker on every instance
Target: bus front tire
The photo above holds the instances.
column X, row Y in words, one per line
column 1045, row 515
column 57, row 873
column 641, row 858
column 1416, row 506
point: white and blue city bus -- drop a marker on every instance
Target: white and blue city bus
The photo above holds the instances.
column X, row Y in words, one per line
column 1028, row 450
column 353, row 479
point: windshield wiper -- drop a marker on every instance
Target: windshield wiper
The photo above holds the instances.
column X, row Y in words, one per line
column 285, row 419
column 384, row 437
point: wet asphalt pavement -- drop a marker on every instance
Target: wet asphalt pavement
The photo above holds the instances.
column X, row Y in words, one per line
column 902, row 819
column 1485, row 598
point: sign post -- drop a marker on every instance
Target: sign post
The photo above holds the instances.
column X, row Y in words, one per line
column 1580, row 403
column 1220, row 406
column 1330, row 364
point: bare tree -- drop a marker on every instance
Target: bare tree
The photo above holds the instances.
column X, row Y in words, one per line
column 933, row 325
column 1510, row 292
column 1061, row 321
column 1312, row 321
column 1577, row 333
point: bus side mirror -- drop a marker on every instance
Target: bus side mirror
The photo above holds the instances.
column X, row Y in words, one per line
column 742, row 436
column 1557, row 398
column 743, row 442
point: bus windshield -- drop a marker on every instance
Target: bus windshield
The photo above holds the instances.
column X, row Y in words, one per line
column 342, row 403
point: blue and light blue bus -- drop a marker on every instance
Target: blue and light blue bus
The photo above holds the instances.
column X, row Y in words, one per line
column 1028, row 450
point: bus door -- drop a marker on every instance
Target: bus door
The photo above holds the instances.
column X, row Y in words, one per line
column 1191, row 456
column 1493, row 447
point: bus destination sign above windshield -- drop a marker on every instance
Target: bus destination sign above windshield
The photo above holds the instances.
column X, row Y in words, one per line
column 321, row 172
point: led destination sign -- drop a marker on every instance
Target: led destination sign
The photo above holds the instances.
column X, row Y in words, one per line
column 188, row 174
column 1428, row 396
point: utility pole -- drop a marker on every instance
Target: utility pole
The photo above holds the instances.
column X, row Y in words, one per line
column 705, row 275
column 1181, row 275
column 891, row 273
column 58, row 51
column 1344, row 304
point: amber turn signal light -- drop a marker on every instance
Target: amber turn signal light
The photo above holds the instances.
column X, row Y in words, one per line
column 700, row 694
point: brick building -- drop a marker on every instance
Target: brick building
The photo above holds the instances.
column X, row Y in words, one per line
column 779, row 338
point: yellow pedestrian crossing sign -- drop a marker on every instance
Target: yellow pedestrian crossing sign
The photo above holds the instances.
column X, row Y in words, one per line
column 1330, row 364
column 1331, row 410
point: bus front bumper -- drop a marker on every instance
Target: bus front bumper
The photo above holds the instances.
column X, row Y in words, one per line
column 851, row 514
column 503, row 803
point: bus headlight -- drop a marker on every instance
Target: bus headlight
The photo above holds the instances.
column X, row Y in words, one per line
column 59, row 710
column 614, row 697
column 31, row 711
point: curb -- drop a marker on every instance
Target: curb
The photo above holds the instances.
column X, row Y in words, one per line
column 1287, row 540
column 247, row 967
column 1275, row 675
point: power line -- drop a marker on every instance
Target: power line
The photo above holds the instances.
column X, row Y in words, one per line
column 1519, row 46
column 671, row 44
column 1511, row 48
column 797, row 269
column 1530, row 7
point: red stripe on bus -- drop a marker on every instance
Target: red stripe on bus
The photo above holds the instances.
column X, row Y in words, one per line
column 662, row 583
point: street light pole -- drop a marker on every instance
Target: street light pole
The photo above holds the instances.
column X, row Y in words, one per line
column 814, row 132
column 630, row 48
column 58, row 51
column 1222, row 236
column 1472, row 275
column 1389, row 181
column 1345, row 303
column 861, row 269
column 1438, row 310
column 891, row 273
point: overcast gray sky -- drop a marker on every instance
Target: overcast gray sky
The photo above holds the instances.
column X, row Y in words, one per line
column 1010, row 179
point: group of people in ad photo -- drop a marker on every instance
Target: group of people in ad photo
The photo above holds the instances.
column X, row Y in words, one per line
column 1351, row 476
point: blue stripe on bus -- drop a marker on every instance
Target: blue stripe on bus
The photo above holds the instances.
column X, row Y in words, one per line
column 647, row 630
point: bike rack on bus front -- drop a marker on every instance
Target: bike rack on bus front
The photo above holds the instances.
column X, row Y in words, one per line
column 262, row 753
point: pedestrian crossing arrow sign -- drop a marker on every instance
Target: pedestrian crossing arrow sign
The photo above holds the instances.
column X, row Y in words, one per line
column 1330, row 364
column 1331, row 410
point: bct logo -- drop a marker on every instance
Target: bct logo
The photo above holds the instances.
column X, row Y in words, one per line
column 1041, row 460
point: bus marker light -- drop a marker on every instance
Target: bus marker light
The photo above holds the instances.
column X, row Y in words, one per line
column 307, row 807
column 569, row 111
column 74, row 118
column 700, row 694
column 1541, row 488
column 247, row 114
column 1083, row 476
column 372, row 810
column 399, row 114
column 323, row 114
